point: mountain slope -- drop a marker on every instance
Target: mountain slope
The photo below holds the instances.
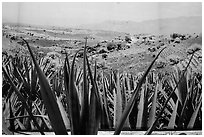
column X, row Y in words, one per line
column 159, row 26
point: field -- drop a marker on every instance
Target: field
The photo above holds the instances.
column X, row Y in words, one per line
column 59, row 79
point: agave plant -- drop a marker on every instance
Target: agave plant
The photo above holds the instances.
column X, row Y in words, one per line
column 84, row 106
column 85, row 112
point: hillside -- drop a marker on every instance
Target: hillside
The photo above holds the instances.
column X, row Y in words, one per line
column 110, row 49
column 160, row 26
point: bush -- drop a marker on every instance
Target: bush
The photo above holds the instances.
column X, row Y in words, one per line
column 173, row 59
column 193, row 48
column 111, row 45
column 102, row 51
column 104, row 56
column 128, row 39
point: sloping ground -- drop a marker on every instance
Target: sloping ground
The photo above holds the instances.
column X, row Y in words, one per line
column 197, row 40
column 133, row 60
column 11, row 46
column 137, row 59
column 7, row 44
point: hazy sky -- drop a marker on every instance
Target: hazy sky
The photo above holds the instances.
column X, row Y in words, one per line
column 66, row 14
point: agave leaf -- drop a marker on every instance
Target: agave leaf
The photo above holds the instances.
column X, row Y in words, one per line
column 66, row 82
column 4, row 127
column 172, row 121
column 63, row 113
column 59, row 84
column 95, row 71
column 133, row 98
column 94, row 117
column 11, row 121
column 22, row 127
column 117, row 99
column 22, row 77
column 26, row 116
column 152, row 114
column 16, row 73
column 79, row 77
column 85, row 94
column 128, row 81
column 146, row 95
column 171, row 101
column 194, row 116
column 124, row 99
column 173, row 83
column 5, row 109
column 182, row 88
column 183, row 111
column 67, row 61
column 34, row 80
column 132, row 83
column 93, row 82
column 153, row 126
column 95, row 103
column 74, row 105
column 105, row 103
column 49, row 99
column 110, row 96
column 27, row 73
column 140, row 110
column 41, row 113
column 45, row 67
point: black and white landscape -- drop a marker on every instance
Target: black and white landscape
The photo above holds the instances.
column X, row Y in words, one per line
column 100, row 68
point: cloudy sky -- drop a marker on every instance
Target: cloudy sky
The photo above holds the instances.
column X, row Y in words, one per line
column 73, row 14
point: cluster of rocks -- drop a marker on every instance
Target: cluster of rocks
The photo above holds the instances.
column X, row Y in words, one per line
column 104, row 47
column 156, row 43
column 11, row 36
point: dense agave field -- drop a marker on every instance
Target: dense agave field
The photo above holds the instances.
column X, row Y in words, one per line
column 36, row 96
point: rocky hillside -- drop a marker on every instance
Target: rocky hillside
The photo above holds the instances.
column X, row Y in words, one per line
column 111, row 50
